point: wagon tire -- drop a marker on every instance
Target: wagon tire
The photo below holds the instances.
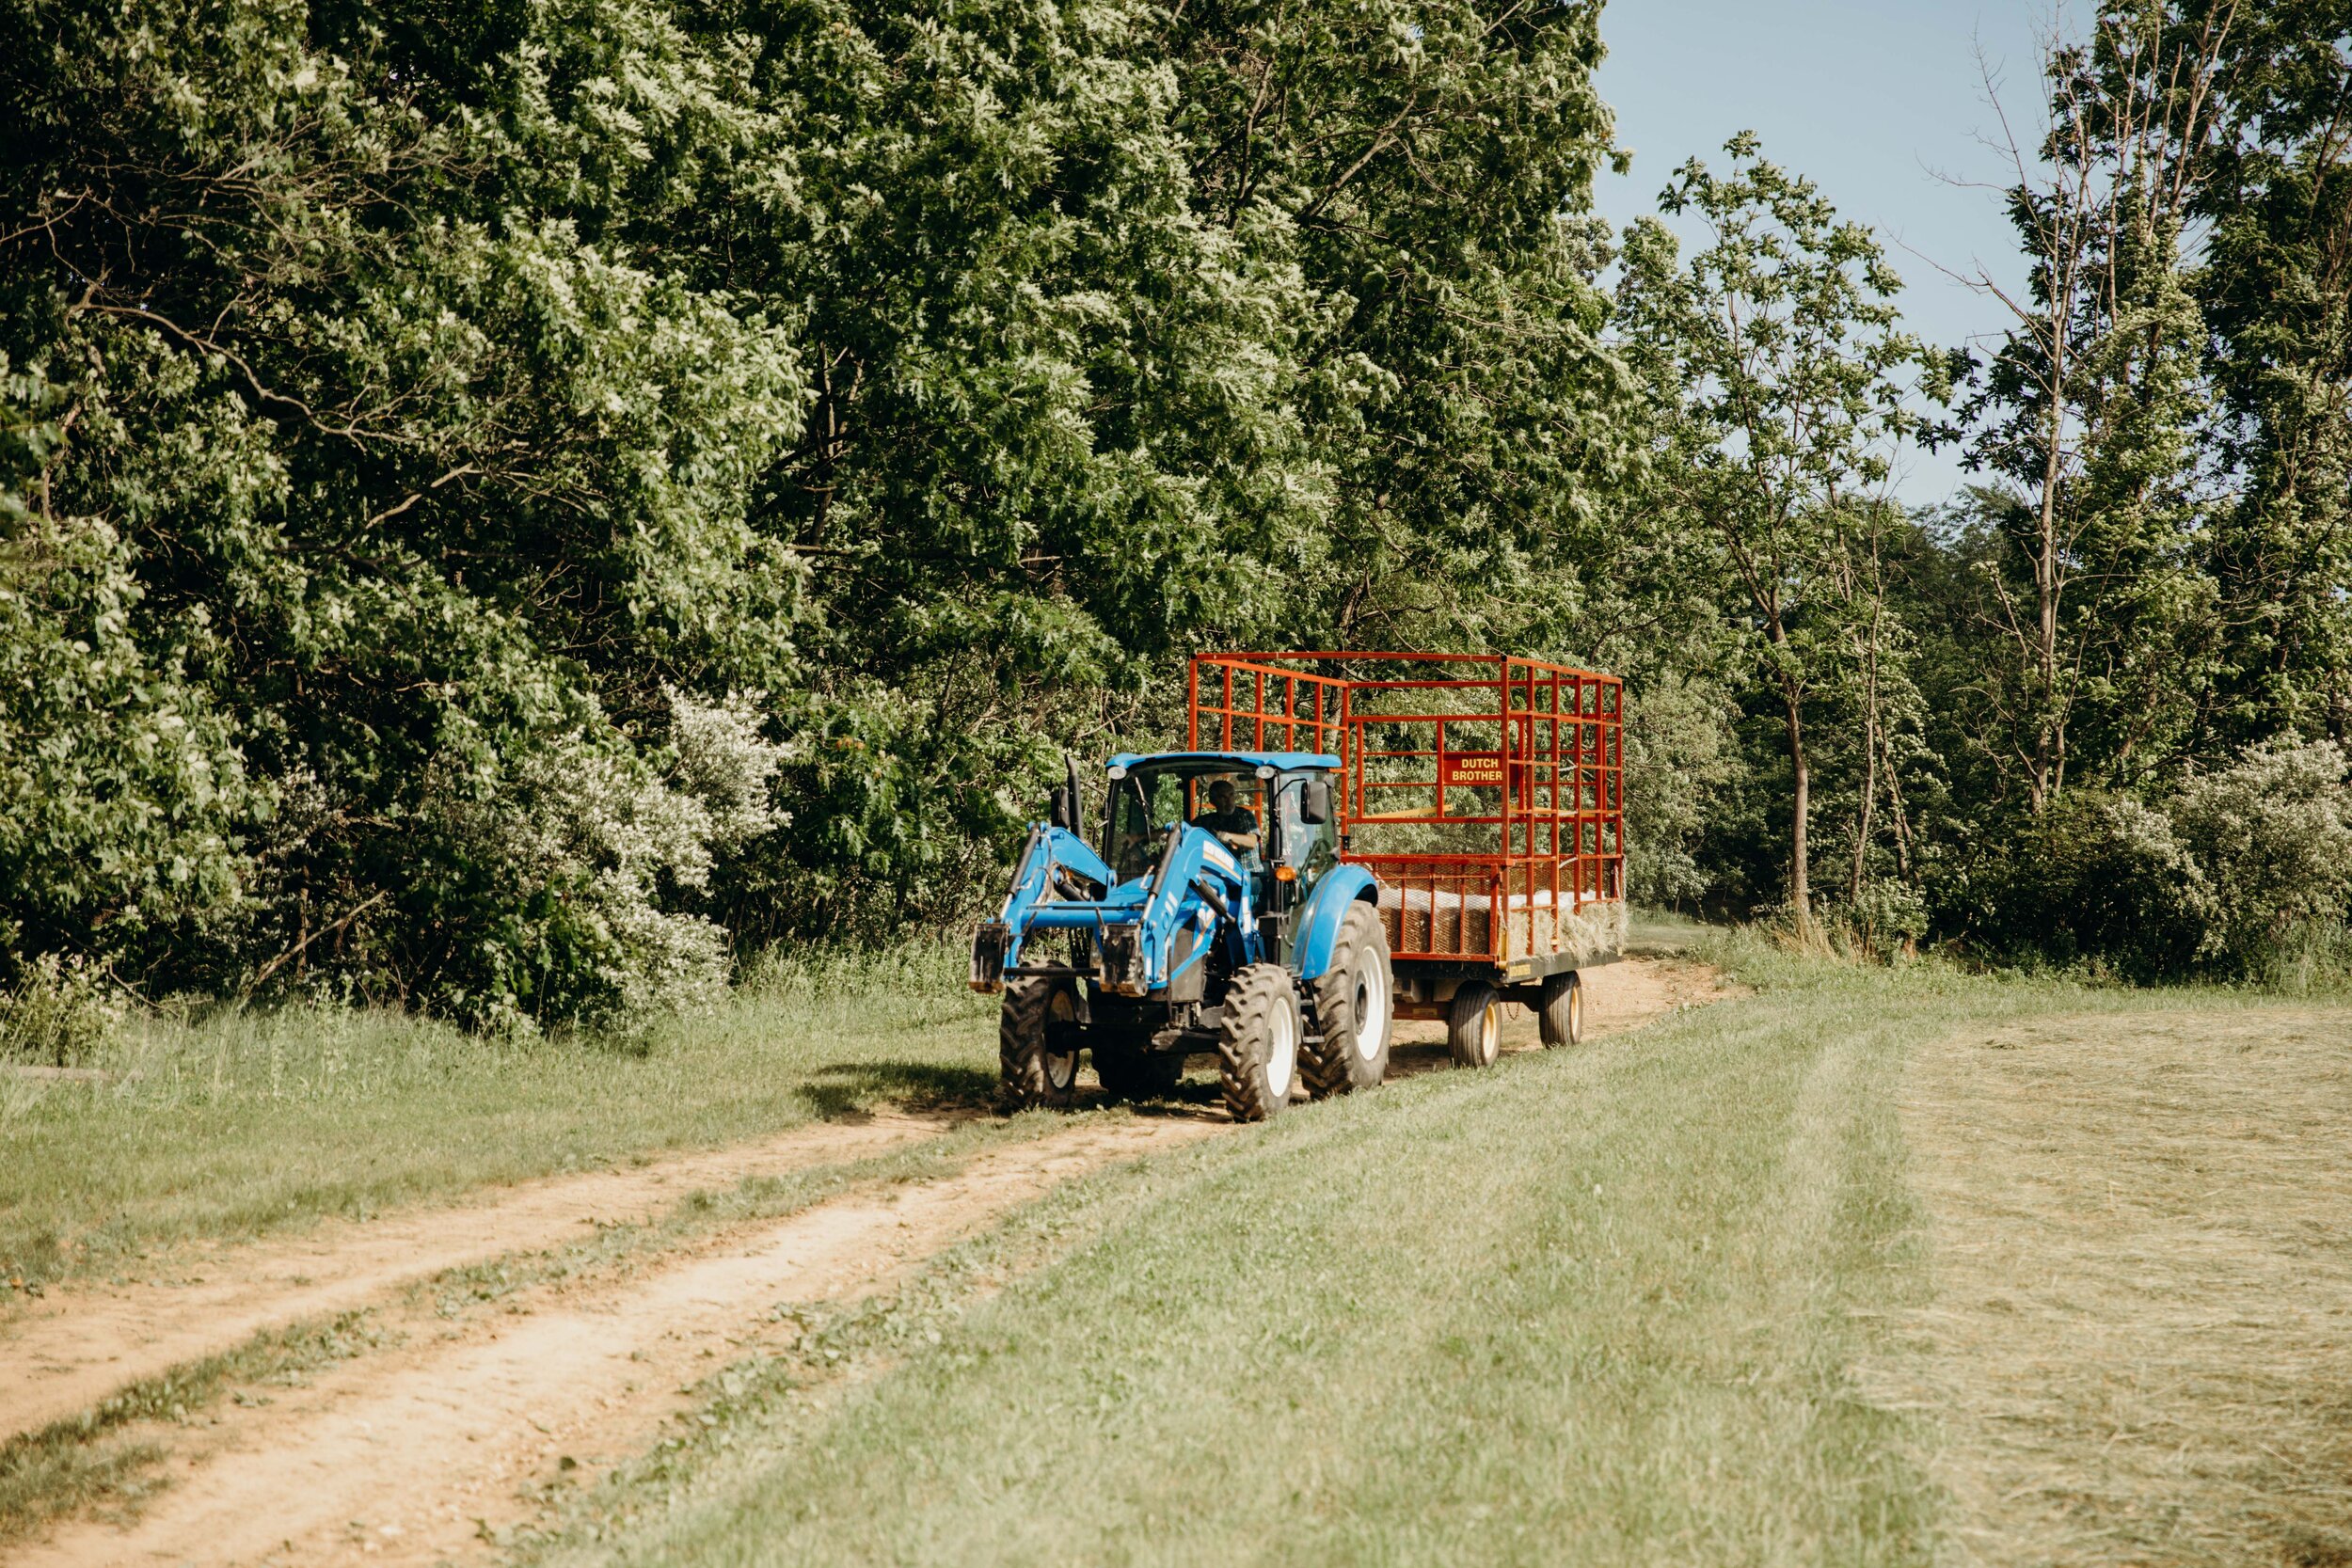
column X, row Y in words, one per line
column 1473, row 1025
column 1127, row 1073
column 1354, row 1010
column 1038, row 1038
column 1560, row 1012
column 1257, row 1042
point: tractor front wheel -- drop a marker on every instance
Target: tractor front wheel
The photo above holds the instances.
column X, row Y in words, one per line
column 1038, row 1037
column 1353, row 1009
column 1473, row 1025
column 1257, row 1044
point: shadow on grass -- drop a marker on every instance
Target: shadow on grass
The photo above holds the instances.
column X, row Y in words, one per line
column 848, row 1091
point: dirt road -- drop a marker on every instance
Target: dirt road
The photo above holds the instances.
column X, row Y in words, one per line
column 414, row 1452
column 83, row 1341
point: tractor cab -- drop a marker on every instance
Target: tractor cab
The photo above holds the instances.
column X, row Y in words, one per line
column 1272, row 810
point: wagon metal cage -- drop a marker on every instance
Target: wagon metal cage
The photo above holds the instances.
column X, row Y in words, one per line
column 1486, row 791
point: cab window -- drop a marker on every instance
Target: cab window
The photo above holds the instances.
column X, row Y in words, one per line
column 1303, row 845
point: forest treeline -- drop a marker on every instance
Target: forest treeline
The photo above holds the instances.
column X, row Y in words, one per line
column 504, row 506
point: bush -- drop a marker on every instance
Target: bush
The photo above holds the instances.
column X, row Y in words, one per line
column 60, row 1013
column 2098, row 880
column 1678, row 756
column 2273, row 836
column 1890, row 915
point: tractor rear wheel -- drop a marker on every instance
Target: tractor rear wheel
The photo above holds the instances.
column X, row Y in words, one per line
column 1038, row 1037
column 1257, row 1041
column 1473, row 1025
column 1353, row 1009
column 1560, row 1013
column 1130, row 1073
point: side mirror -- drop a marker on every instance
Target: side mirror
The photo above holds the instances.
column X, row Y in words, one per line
column 1061, row 813
column 1314, row 802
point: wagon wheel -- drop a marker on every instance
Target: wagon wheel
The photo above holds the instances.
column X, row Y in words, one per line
column 1562, row 1013
column 1473, row 1025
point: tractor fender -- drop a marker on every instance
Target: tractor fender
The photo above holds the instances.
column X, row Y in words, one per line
column 1319, row 922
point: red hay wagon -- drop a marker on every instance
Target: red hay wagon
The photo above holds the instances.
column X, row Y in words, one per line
column 1485, row 792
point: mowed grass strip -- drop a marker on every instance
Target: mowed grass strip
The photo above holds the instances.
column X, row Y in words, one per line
column 2140, row 1349
column 250, row 1122
column 1593, row 1306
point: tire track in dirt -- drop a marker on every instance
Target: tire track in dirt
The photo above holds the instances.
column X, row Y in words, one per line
column 394, row 1457
column 399, row 1458
column 84, row 1341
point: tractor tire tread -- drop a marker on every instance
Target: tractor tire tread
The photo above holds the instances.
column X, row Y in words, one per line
column 1241, row 1036
column 1020, row 1045
column 1330, row 1064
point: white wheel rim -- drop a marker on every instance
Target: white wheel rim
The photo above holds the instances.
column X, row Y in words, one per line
column 1061, row 1070
column 1490, row 1032
column 1282, row 1051
column 1575, row 1011
column 1372, row 1011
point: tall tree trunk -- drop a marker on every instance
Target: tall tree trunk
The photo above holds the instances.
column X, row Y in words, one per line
column 2047, row 740
column 1869, row 799
column 1801, row 809
column 1896, row 811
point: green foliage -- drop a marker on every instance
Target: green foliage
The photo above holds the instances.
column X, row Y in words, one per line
column 419, row 430
column 1768, row 363
column 1679, row 760
column 2096, row 878
column 60, row 1013
column 504, row 508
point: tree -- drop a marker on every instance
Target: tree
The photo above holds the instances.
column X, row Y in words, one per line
column 393, row 492
column 1769, row 360
column 1428, row 169
column 2274, row 191
column 2090, row 409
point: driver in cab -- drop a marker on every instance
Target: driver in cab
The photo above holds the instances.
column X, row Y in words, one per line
column 1232, row 823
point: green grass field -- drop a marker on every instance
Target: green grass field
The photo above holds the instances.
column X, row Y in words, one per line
column 1607, row 1305
column 1597, row 1305
column 1870, row 1266
column 248, row 1122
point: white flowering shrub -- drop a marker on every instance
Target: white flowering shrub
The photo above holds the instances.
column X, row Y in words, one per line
column 2273, row 836
column 579, row 846
column 724, row 762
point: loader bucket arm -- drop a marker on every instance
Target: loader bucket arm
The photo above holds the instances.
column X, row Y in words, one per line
column 1200, row 884
column 1035, row 884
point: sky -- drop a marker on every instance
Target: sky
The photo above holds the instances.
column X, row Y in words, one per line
column 1880, row 102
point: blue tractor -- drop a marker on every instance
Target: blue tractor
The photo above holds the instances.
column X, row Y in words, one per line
column 1213, row 915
